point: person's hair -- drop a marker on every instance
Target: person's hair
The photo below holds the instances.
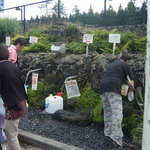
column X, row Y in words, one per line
column 4, row 54
column 124, row 55
column 20, row 41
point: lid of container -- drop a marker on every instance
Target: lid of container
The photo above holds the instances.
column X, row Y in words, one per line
column 60, row 94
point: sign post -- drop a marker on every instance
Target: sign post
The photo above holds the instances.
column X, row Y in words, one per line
column 8, row 41
column 33, row 40
column 34, row 81
column 87, row 38
column 114, row 38
column 146, row 123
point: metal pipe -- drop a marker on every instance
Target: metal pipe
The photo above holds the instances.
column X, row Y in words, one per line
column 24, row 5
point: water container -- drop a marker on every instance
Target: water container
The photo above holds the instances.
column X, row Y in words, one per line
column 130, row 96
column 53, row 103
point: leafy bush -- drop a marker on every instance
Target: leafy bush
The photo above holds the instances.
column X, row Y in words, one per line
column 51, row 38
column 137, row 132
column 17, row 36
column 129, row 41
column 137, row 45
column 76, row 48
column 37, row 48
column 98, row 113
column 35, row 32
column 100, row 42
column 37, row 98
column 8, row 27
column 89, row 98
column 71, row 28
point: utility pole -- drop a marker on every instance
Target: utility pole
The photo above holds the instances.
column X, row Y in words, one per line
column 104, row 12
column 24, row 19
column 58, row 10
column 146, row 123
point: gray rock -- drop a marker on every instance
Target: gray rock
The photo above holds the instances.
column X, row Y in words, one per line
column 78, row 118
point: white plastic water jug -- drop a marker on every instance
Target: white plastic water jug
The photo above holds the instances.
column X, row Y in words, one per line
column 53, row 103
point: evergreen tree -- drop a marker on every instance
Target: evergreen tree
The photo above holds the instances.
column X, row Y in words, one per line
column 76, row 16
column 120, row 20
column 90, row 15
column 131, row 13
column 144, row 12
column 84, row 18
column 110, row 16
column 61, row 12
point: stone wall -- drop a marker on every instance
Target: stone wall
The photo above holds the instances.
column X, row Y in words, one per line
column 140, row 30
column 88, row 68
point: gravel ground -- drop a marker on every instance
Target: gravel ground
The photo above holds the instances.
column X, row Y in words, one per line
column 88, row 138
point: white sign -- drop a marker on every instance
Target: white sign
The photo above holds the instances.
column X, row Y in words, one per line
column 114, row 38
column 33, row 40
column 8, row 41
column 72, row 89
column 55, row 47
column 34, row 81
column 88, row 38
column 1, row 4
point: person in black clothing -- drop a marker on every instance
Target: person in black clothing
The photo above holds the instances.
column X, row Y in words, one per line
column 14, row 97
column 110, row 91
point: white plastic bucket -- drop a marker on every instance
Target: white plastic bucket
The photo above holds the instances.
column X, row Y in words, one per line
column 53, row 103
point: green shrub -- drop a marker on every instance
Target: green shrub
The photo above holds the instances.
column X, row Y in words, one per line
column 8, row 27
column 137, row 45
column 137, row 132
column 51, row 38
column 71, row 28
column 98, row 113
column 89, row 99
column 37, row 98
column 100, row 42
column 34, row 32
column 37, row 48
column 127, row 36
column 76, row 48
column 17, row 36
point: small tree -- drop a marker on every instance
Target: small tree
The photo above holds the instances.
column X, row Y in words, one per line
column 59, row 10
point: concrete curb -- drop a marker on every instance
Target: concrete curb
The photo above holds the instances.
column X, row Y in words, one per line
column 42, row 142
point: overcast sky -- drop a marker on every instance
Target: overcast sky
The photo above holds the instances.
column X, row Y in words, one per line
column 83, row 5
